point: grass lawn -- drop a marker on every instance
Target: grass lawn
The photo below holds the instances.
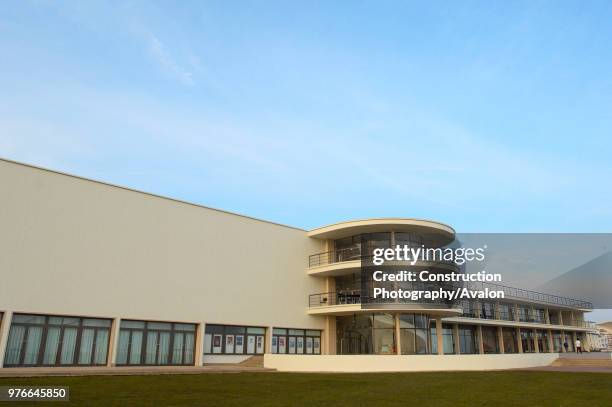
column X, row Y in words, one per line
column 512, row 388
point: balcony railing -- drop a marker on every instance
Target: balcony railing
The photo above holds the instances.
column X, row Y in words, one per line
column 334, row 298
column 521, row 294
column 351, row 254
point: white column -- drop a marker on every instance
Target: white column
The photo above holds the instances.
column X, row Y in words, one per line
column 439, row 336
column 5, row 326
column 500, row 339
column 199, row 348
column 114, row 342
column 536, row 347
column 456, row 336
column 480, row 341
column 398, row 337
column 519, row 341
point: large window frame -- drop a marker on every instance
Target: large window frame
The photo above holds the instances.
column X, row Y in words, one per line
column 303, row 341
column 60, row 341
column 229, row 337
column 139, row 334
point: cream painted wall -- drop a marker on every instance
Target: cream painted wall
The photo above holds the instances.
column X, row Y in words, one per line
column 77, row 247
column 404, row 363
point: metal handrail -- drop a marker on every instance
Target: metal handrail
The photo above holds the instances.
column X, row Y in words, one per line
column 352, row 254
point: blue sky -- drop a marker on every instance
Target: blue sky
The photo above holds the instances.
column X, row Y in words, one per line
column 489, row 116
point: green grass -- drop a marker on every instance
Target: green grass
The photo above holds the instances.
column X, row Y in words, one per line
column 511, row 388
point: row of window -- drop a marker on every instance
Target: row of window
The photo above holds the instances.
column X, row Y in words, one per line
column 42, row 340
column 296, row 341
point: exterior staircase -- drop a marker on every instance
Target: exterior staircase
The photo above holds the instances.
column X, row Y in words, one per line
column 584, row 360
column 253, row 361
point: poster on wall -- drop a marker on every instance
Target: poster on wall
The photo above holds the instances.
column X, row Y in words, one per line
column 240, row 344
column 300, row 345
column 260, row 344
column 216, row 344
column 291, row 344
column 250, row 344
column 229, row 343
column 308, row 345
column 317, row 345
column 282, row 345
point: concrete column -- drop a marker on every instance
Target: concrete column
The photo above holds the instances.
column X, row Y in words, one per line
column 456, row 336
column 560, row 317
column 500, row 339
column 519, row 342
column 439, row 336
column 550, row 341
column 536, row 347
column 516, row 313
column 398, row 338
column 330, row 335
column 563, row 340
column 572, row 319
column 199, row 348
column 497, row 311
column 268, row 341
column 114, row 342
column 480, row 341
column 547, row 315
column 574, row 337
column 5, row 326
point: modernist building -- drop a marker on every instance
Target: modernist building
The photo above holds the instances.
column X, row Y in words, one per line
column 100, row 275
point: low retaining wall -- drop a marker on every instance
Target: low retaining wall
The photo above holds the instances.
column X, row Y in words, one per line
column 404, row 363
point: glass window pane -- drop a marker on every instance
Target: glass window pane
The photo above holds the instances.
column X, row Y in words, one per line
column 185, row 327
column 29, row 319
column 101, row 347
column 189, row 341
column 313, row 333
column 122, row 347
column 97, row 322
column 135, row 348
column 160, row 325
column 151, row 348
column 297, row 332
column 32, row 345
column 56, row 320
column 233, row 330
column 133, row 324
column 68, row 346
column 164, row 347
column 420, row 321
column 71, row 321
column 213, row 329
column 408, row 341
column 86, row 348
column 406, row 321
column 279, row 331
column 421, row 341
column 14, row 345
column 255, row 330
column 52, row 345
column 384, row 321
column 177, row 348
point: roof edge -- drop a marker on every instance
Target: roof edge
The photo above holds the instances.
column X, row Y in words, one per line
column 147, row 193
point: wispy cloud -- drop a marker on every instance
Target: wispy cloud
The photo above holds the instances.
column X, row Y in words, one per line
column 160, row 55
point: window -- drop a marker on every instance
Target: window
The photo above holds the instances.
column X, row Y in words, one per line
column 234, row 340
column 506, row 312
column 41, row 340
column 539, row 315
column 296, row 341
column 448, row 339
column 525, row 314
column 542, row 338
column 467, row 339
column 510, row 340
column 488, row 310
column 413, row 334
column 489, row 339
column 527, row 341
column 156, row 343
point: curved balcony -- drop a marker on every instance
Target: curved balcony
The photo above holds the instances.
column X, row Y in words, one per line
column 349, row 302
column 444, row 234
column 349, row 260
